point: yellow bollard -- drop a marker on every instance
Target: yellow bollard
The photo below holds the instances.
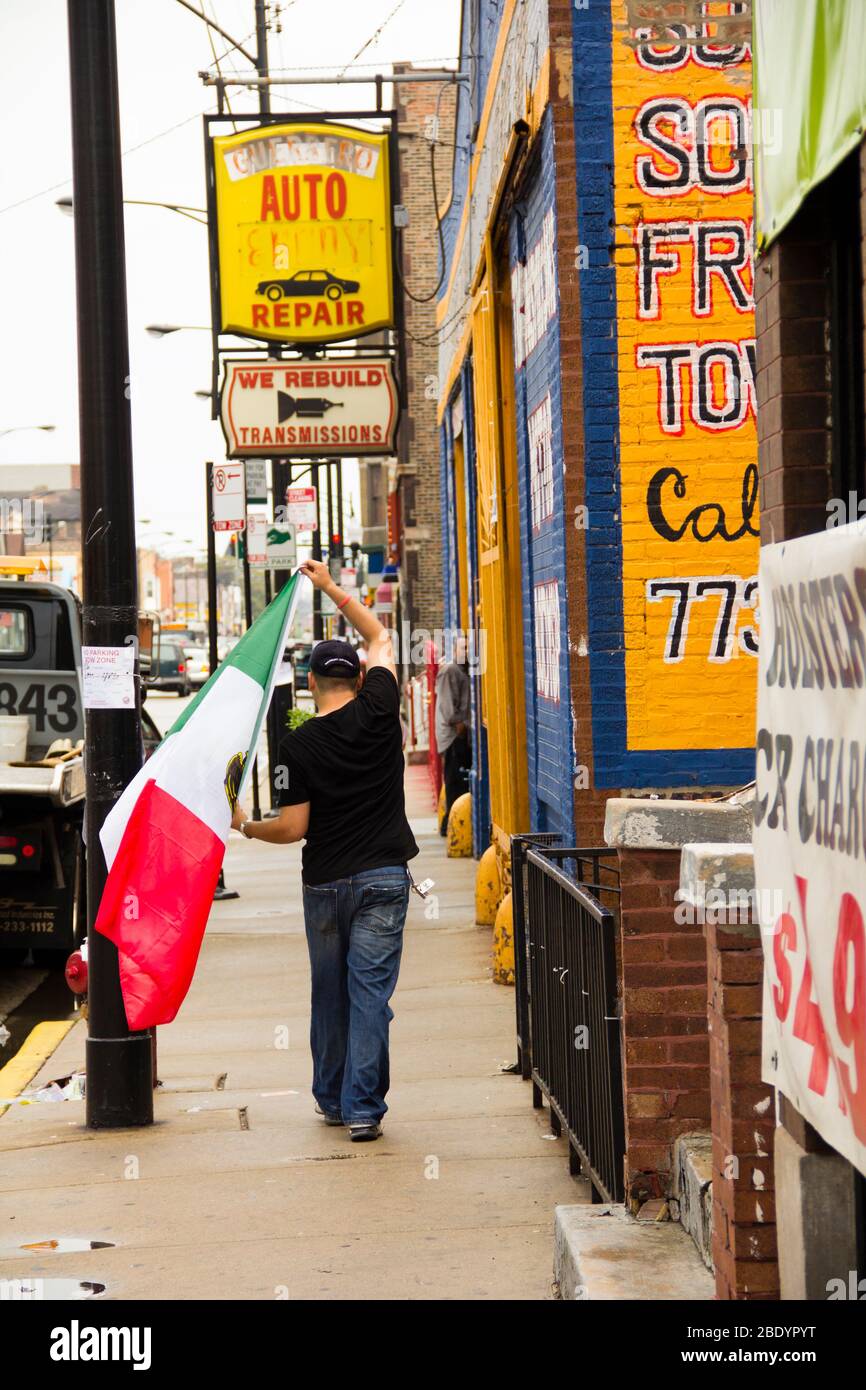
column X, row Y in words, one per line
column 488, row 888
column 503, row 944
column 441, row 810
column 460, row 828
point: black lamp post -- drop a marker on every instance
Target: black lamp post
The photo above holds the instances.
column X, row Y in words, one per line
column 119, row 1063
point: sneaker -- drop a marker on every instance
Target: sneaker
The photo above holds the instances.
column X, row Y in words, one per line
column 363, row 1133
column 331, row 1117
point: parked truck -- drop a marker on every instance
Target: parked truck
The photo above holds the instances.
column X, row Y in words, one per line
column 42, row 855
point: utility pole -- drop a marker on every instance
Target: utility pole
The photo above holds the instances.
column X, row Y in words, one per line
column 220, row 892
column 119, row 1063
column 212, row 631
column 331, row 547
column 316, row 552
column 278, row 467
column 248, row 614
column 265, row 107
column 262, row 55
column 341, row 622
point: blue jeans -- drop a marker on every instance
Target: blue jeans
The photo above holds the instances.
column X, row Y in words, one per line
column 355, row 938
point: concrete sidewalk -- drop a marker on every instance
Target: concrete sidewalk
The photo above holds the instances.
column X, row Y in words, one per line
column 239, row 1191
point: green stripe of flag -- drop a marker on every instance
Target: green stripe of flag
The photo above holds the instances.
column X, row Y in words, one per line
column 257, row 654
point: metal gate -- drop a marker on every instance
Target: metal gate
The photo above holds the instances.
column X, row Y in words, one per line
column 566, row 904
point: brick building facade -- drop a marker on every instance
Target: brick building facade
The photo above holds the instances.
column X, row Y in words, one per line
column 629, row 407
column 425, row 122
column 597, row 318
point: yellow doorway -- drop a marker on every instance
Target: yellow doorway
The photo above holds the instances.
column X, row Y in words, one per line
column 501, row 617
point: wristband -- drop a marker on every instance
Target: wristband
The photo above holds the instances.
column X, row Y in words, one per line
column 343, row 602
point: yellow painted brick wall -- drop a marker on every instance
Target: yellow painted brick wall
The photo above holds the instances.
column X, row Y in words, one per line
column 683, row 201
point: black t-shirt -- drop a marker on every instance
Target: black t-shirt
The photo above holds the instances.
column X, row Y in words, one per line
column 349, row 765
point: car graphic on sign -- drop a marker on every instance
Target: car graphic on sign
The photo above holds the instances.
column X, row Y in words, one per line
column 306, row 284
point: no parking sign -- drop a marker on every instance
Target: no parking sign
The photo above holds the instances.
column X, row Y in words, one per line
column 229, row 497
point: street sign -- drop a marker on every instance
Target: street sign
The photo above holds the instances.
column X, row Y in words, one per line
column 257, row 539
column 303, row 229
column 229, row 501
column 257, row 480
column 271, row 544
column 335, row 406
column 302, row 508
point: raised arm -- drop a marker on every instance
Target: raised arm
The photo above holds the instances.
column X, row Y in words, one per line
column 379, row 649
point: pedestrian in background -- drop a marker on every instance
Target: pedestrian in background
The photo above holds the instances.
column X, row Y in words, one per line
column 345, row 799
column 452, row 725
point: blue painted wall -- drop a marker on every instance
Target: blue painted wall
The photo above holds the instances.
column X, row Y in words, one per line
column 476, row 55
column 550, row 738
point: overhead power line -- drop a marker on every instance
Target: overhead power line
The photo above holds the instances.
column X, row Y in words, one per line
column 212, row 24
column 374, row 63
column 217, row 61
column 374, row 36
column 428, row 298
column 235, row 48
column 131, row 149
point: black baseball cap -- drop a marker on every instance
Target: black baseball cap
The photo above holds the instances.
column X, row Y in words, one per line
column 335, row 658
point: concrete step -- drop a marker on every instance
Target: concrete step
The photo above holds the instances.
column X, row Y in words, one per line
column 692, row 1201
column 600, row 1252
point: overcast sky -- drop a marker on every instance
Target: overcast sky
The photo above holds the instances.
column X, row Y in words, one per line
column 162, row 47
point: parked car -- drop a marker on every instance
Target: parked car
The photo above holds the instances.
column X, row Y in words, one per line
column 308, row 283
column 43, row 877
column 150, row 735
column 197, row 665
column 171, row 673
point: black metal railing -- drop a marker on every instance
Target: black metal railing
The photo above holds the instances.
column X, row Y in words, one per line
column 565, row 904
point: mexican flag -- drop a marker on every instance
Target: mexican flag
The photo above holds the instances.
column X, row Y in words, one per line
column 165, row 839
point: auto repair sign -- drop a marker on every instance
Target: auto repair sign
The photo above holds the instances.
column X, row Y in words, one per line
column 303, row 232
column 334, row 407
column 810, row 829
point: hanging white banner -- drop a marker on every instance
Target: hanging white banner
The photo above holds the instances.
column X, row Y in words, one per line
column 810, row 829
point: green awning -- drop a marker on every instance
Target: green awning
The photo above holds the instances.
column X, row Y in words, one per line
column 810, row 100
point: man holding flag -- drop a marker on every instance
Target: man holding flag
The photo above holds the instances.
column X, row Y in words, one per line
column 344, row 797
column 165, row 839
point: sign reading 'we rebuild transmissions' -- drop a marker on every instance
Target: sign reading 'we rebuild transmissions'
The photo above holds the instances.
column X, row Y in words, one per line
column 303, row 232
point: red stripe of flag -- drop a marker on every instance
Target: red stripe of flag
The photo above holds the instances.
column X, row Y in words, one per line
column 156, row 904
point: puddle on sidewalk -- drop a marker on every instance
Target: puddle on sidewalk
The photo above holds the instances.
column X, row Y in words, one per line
column 318, row 1158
